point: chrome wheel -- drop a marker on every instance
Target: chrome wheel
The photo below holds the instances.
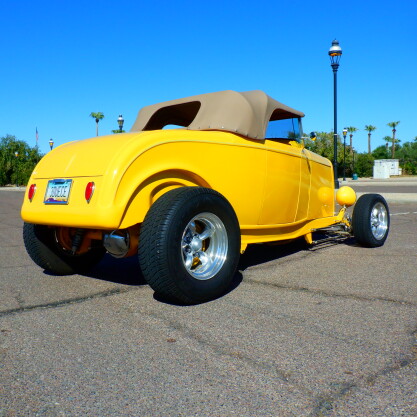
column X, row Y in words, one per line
column 379, row 220
column 204, row 246
column 370, row 220
column 189, row 245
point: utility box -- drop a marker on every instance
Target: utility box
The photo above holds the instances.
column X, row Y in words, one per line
column 384, row 168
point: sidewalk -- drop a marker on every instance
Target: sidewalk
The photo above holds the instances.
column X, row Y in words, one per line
column 403, row 181
column 20, row 188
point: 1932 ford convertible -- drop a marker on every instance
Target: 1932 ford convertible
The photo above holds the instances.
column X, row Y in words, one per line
column 189, row 200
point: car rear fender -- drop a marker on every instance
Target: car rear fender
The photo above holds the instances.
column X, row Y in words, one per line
column 153, row 187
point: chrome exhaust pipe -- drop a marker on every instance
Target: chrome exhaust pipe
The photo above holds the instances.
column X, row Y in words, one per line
column 117, row 243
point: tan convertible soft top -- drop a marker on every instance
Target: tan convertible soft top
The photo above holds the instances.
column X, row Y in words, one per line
column 246, row 113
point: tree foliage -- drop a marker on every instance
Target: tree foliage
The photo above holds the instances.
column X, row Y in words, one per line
column 407, row 154
column 364, row 165
column 393, row 125
column 381, row 152
column 17, row 161
column 324, row 145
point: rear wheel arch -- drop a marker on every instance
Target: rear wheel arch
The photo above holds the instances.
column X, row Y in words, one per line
column 152, row 188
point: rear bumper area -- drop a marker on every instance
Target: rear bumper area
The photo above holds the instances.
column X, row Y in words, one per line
column 99, row 213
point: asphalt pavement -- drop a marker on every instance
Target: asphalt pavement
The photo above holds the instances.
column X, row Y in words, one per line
column 324, row 331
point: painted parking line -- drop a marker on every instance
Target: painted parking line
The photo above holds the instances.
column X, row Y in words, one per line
column 402, row 214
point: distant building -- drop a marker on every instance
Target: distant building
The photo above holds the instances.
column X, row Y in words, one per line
column 384, row 168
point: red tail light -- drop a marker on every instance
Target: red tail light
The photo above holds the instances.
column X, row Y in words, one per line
column 89, row 191
column 31, row 192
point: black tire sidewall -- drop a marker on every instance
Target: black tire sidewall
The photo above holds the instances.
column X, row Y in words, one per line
column 183, row 205
column 44, row 250
column 187, row 283
column 361, row 220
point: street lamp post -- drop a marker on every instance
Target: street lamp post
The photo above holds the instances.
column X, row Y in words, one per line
column 51, row 143
column 353, row 163
column 16, row 154
column 120, row 121
column 335, row 52
column 344, row 153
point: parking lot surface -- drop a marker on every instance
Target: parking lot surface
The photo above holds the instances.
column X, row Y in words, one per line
column 323, row 331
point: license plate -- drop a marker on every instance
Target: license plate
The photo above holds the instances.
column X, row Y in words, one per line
column 57, row 192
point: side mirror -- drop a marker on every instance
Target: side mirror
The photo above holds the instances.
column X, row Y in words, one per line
column 313, row 136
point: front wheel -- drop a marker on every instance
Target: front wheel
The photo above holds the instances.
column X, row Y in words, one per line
column 189, row 245
column 371, row 220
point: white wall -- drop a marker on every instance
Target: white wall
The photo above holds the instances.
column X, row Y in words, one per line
column 384, row 168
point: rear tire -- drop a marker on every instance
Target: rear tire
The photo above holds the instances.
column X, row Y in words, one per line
column 371, row 220
column 42, row 246
column 189, row 245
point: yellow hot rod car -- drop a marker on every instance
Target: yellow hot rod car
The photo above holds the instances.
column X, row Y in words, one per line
column 188, row 200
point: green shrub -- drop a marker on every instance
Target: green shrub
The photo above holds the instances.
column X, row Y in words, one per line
column 17, row 161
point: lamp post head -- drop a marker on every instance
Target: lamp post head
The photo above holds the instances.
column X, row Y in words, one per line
column 51, row 143
column 335, row 52
column 120, row 122
column 345, row 132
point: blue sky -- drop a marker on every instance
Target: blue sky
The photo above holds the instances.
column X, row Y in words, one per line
column 62, row 60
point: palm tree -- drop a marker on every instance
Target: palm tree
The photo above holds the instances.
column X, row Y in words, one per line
column 393, row 125
column 370, row 129
column 387, row 139
column 351, row 130
column 98, row 116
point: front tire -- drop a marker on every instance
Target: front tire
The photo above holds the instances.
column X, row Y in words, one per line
column 189, row 245
column 43, row 247
column 371, row 220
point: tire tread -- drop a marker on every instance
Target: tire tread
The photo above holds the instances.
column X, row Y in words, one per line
column 153, row 241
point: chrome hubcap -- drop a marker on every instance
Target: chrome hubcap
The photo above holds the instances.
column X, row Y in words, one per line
column 379, row 221
column 204, row 246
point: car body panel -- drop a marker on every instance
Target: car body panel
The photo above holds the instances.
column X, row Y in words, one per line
column 131, row 168
column 283, row 198
column 277, row 188
column 261, row 179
